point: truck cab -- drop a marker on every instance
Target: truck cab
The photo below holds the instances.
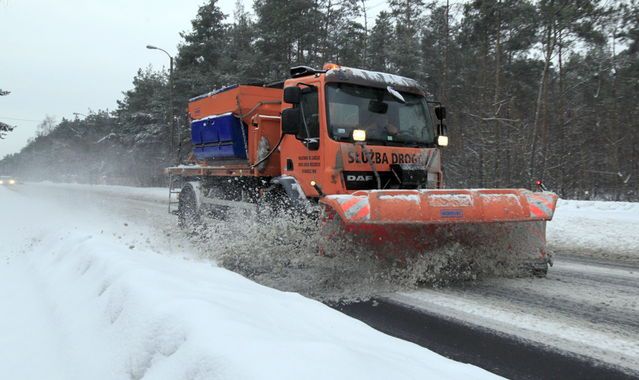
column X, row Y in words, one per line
column 348, row 129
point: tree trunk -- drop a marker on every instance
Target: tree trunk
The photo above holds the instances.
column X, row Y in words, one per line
column 542, row 86
column 615, row 136
column 496, row 101
column 444, row 89
column 365, row 58
column 562, row 123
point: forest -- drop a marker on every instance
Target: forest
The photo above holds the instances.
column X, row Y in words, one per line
column 542, row 89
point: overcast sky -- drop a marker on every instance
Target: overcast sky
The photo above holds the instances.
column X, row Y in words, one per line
column 60, row 57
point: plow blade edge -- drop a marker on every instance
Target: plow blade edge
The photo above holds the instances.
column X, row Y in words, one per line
column 405, row 222
column 442, row 206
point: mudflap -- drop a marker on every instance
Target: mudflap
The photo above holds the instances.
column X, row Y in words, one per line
column 491, row 226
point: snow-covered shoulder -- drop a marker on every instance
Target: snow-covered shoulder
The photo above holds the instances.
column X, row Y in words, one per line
column 596, row 226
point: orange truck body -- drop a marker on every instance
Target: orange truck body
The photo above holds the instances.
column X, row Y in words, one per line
column 260, row 109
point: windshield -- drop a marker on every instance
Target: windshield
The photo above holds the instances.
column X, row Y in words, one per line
column 385, row 118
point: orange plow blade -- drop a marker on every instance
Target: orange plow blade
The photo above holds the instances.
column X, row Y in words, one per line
column 404, row 223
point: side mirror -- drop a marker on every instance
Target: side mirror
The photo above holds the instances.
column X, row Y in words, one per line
column 312, row 144
column 292, row 95
column 442, row 129
column 291, row 118
column 440, row 112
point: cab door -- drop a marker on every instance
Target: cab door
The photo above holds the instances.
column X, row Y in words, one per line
column 301, row 154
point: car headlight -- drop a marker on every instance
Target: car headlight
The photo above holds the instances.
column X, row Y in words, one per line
column 12, row 182
column 1, row 182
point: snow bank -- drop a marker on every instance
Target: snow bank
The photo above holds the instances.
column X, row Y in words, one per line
column 79, row 300
column 151, row 194
column 595, row 226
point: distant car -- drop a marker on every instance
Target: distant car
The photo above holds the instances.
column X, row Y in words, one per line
column 7, row 180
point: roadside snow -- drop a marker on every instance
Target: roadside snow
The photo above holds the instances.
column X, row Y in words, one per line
column 151, row 194
column 84, row 295
column 598, row 227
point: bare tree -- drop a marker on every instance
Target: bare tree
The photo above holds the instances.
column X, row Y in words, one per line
column 46, row 126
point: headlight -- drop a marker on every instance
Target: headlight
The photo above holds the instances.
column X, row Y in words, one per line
column 359, row 135
column 1, row 182
column 12, row 182
column 442, row 140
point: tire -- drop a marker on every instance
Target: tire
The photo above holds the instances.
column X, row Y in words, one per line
column 189, row 217
column 540, row 270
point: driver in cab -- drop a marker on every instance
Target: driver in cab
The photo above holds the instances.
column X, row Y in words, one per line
column 379, row 127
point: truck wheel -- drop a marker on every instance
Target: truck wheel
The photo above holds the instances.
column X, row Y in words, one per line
column 188, row 214
column 540, row 270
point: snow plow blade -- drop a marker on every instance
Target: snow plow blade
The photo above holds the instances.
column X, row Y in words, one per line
column 442, row 206
column 401, row 223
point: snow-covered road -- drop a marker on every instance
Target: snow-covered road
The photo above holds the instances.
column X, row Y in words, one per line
column 584, row 308
column 96, row 284
column 589, row 303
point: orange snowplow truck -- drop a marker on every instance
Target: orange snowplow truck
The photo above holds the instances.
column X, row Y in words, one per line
column 363, row 148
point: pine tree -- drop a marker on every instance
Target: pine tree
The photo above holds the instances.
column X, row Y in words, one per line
column 382, row 40
column 561, row 21
column 286, row 33
column 350, row 36
column 405, row 55
column 238, row 63
column 199, row 57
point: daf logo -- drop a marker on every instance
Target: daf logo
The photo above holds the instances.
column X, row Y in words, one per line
column 359, row 178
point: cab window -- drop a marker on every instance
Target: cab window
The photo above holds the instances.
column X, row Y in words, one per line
column 310, row 114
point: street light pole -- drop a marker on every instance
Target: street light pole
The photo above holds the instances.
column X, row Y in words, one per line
column 172, row 122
